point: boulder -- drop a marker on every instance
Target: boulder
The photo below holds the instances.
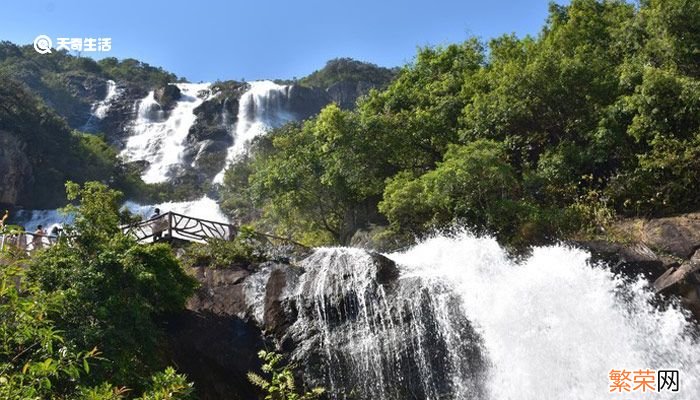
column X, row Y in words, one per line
column 679, row 236
column 387, row 271
column 675, row 279
column 630, row 259
column 167, row 96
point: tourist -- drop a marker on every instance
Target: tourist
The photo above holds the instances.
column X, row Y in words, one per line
column 3, row 219
column 157, row 226
column 37, row 239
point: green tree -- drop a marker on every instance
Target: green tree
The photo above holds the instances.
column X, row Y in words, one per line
column 474, row 183
column 115, row 289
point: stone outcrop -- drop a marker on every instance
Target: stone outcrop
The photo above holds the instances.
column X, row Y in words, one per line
column 236, row 312
column 346, row 93
column 306, row 102
column 167, row 96
column 677, row 236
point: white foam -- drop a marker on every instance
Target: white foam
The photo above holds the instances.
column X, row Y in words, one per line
column 162, row 142
column 261, row 108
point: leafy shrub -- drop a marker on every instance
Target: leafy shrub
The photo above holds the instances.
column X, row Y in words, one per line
column 244, row 249
column 280, row 385
column 35, row 359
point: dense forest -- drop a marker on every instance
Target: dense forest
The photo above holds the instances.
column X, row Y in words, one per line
column 528, row 138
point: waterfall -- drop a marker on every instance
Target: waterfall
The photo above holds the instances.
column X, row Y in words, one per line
column 466, row 321
column 49, row 219
column 371, row 341
column 99, row 110
column 262, row 107
column 160, row 139
column 203, row 208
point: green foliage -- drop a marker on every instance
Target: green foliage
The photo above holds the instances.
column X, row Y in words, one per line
column 164, row 385
column 114, row 288
column 280, row 385
column 474, row 185
column 244, row 250
column 347, row 69
column 35, row 360
column 137, row 72
column 598, row 116
column 316, row 180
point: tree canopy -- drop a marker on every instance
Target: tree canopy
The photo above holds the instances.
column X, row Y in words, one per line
column 523, row 137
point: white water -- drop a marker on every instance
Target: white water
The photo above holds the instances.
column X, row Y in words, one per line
column 261, row 108
column 100, row 109
column 203, row 208
column 551, row 326
column 48, row 219
column 162, row 141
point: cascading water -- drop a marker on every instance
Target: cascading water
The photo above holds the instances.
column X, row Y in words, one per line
column 465, row 321
column 100, row 109
column 261, row 108
column 162, row 141
column 204, row 208
column 407, row 340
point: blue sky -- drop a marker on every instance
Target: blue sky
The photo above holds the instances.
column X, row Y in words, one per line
column 205, row 40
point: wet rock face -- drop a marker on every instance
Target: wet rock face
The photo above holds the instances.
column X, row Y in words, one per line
column 362, row 330
column 343, row 315
column 122, row 111
column 167, row 96
column 216, row 352
column 279, row 312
